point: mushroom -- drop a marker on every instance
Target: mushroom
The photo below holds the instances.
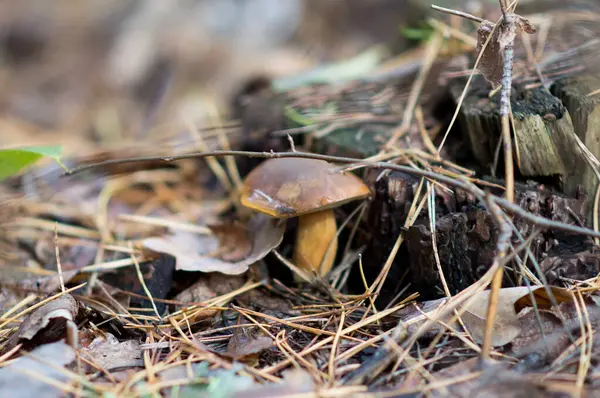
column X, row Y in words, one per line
column 308, row 189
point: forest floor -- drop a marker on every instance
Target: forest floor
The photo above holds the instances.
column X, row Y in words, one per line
column 151, row 252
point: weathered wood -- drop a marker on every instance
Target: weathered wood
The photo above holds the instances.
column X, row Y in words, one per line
column 544, row 132
column 579, row 263
column 466, row 236
column 453, row 248
column 392, row 196
column 585, row 113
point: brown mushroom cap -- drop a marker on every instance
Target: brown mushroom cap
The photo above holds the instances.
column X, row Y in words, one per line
column 291, row 187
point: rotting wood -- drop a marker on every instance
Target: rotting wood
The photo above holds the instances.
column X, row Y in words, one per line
column 585, row 113
column 544, row 132
column 466, row 235
column 571, row 263
column 378, row 110
column 393, row 193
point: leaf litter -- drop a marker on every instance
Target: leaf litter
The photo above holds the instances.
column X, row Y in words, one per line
column 184, row 296
column 48, row 323
column 108, row 353
column 39, row 373
column 229, row 249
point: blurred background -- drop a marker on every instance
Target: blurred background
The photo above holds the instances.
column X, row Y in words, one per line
column 109, row 71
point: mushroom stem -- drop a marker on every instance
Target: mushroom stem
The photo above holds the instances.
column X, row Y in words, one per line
column 316, row 231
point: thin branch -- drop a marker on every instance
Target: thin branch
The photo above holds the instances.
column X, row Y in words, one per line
column 459, row 13
column 503, row 8
column 462, row 184
column 509, row 25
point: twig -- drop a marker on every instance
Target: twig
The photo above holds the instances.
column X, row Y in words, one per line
column 459, row 13
column 509, row 173
column 504, row 234
column 506, row 40
column 502, row 36
column 291, row 141
column 501, row 51
column 503, row 8
column 508, row 31
column 462, row 184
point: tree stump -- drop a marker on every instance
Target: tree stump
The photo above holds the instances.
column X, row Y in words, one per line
column 466, row 237
column 545, row 144
column 585, row 113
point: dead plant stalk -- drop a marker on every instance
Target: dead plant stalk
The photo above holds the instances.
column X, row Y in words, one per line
column 501, row 51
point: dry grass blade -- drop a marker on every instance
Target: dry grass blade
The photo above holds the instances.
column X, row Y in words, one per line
column 41, row 303
column 431, row 53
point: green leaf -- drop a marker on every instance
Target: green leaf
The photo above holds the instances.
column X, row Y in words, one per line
column 422, row 33
column 296, row 117
column 14, row 160
column 54, row 152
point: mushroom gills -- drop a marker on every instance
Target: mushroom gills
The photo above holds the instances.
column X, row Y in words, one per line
column 316, row 231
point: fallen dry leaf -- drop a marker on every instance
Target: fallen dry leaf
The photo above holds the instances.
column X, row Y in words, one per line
column 506, row 327
column 246, row 345
column 234, row 241
column 23, row 377
column 546, row 334
column 492, row 60
column 542, row 300
column 108, row 353
column 541, row 345
column 201, row 253
column 510, row 302
column 491, row 64
column 25, row 282
column 50, row 322
column 197, row 293
column 495, row 381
